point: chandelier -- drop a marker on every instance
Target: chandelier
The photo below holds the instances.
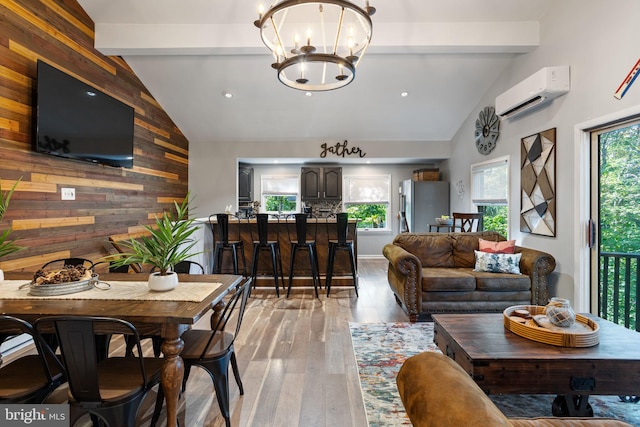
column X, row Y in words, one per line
column 316, row 45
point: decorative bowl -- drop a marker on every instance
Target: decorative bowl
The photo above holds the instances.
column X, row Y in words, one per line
column 444, row 221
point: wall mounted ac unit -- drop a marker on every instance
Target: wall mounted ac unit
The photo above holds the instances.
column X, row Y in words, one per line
column 539, row 88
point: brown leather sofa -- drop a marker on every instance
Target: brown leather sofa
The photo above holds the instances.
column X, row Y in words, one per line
column 436, row 391
column 433, row 273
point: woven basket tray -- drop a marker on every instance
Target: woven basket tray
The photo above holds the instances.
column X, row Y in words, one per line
column 583, row 333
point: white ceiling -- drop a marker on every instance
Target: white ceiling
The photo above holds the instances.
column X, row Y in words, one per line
column 446, row 54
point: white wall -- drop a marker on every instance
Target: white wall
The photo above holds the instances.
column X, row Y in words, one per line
column 595, row 38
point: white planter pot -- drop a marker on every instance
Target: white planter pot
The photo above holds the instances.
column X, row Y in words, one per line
column 163, row 283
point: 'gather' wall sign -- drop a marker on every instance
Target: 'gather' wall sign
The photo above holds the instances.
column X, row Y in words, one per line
column 341, row 150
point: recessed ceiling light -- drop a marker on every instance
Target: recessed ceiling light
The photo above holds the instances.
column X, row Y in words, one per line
column 309, row 94
column 227, row 95
column 404, row 94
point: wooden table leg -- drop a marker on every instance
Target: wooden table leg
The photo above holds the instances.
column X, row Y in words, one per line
column 172, row 372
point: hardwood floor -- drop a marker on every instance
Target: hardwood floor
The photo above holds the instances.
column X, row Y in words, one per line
column 295, row 357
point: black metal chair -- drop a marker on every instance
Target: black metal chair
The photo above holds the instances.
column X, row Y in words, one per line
column 186, row 267
column 183, row 267
column 300, row 241
column 111, row 389
column 30, row 378
column 263, row 243
column 213, row 349
column 60, row 263
column 220, row 229
column 101, row 265
column 340, row 243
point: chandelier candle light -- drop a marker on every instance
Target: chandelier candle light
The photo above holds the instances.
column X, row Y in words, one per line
column 336, row 35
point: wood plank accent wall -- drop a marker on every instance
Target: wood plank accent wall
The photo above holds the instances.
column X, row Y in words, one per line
column 108, row 200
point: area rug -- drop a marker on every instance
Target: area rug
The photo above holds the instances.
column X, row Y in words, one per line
column 381, row 348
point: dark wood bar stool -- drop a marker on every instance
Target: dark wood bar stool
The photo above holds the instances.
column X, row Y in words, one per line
column 262, row 243
column 340, row 243
column 221, row 243
column 301, row 242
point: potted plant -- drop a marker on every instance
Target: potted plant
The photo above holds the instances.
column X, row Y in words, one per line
column 168, row 244
column 7, row 246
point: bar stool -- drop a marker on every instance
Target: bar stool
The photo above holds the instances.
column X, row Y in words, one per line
column 301, row 243
column 273, row 246
column 341, row 243
column 222, row 244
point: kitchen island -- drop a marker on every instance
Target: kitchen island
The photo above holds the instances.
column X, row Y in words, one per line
column 283, row 230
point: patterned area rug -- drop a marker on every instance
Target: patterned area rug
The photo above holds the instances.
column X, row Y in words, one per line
column 381, row 348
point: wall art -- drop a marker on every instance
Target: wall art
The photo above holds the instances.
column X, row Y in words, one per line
column 538, row 183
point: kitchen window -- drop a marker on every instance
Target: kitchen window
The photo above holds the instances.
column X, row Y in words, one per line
column 490, row 193
column 280, row 194
column 368, row 198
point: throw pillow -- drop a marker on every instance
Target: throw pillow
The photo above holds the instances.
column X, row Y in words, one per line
column 505, row 247
column 497, row 263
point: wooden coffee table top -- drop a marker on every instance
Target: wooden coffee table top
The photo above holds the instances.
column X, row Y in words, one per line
column 483, row 336
column 503, row 362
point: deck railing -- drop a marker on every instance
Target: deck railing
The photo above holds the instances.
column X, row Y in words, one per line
column 619, row 288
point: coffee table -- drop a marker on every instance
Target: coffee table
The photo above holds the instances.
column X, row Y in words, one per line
column 502, row 362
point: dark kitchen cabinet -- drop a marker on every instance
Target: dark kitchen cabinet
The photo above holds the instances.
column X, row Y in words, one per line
column 321, row 183
column 245, row 185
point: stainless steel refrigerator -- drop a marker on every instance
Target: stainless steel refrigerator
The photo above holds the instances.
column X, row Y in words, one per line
column 421, row 202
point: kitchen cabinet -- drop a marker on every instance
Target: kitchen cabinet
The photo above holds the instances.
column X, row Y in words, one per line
column 245, row 185
column 321, row 183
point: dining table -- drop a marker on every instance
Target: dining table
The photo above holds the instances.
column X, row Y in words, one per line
column 125, row 296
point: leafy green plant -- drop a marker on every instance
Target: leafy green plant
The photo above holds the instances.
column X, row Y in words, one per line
column 168, row 244
column 7, row 246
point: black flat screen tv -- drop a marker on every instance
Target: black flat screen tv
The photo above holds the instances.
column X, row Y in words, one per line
column 77, row 121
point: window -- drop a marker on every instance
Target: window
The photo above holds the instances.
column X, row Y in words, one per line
column 280, row 194
column 368, row 198
column 490, row 193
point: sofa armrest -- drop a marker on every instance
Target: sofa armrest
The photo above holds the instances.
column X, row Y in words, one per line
column 405, row 278
column 537, row 265
column 436, row 391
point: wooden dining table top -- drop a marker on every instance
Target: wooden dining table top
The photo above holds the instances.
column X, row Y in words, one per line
column 136, row 311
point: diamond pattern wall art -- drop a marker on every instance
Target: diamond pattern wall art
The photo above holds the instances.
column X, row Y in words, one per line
column 538, row 181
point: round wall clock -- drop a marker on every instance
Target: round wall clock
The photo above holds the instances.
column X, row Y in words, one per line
column 487, row 130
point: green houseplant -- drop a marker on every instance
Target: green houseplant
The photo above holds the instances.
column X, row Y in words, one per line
column 169, row 242
column 7, row 246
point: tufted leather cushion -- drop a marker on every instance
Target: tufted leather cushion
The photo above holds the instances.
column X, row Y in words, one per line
column 433, row 250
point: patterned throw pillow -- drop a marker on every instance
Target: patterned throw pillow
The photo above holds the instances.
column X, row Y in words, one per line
column 497, row 263
column 504, row 247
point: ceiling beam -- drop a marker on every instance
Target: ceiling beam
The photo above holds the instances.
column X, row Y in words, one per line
column 234, row 39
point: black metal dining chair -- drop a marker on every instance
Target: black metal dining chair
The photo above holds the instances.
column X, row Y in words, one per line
column 31, row 378
column 186, row 267
column 213, row 350
column 110, row 389
column 60, row 263
column 183, row 267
